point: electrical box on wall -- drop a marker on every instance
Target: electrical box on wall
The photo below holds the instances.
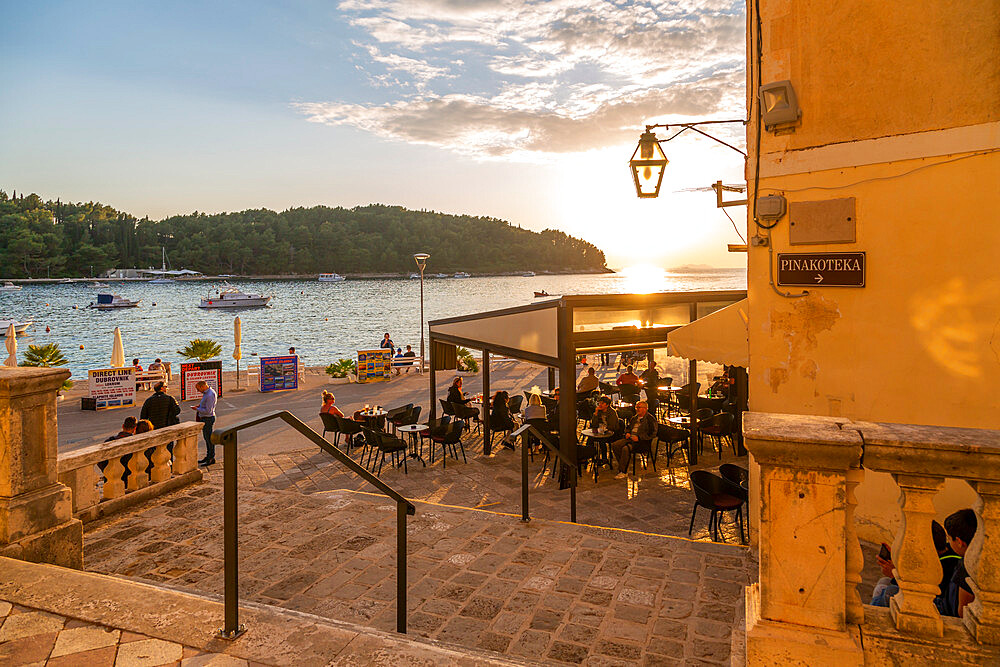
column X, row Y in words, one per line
column 818, row 222
column 771, row 207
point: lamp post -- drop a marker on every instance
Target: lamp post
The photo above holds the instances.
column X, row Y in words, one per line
column 421, row 259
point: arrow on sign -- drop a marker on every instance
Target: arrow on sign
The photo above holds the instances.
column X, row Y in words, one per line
column 818, row 278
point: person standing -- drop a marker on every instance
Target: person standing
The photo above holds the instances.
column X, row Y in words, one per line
column 387, row 342
column 205, row 413
column 161, row 408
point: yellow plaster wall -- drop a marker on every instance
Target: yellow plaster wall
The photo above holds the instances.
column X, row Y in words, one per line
column 866, row 69
column 920, row 343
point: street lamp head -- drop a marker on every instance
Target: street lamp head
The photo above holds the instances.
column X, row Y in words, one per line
column 421, row 259
column 647, row 165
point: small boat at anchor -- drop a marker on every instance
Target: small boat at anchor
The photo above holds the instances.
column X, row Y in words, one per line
column 19, row 327
column 462, row 274
column 112, row 301
column 8, row 286
column 234, row 298
column 331, row 278
column 541, row 294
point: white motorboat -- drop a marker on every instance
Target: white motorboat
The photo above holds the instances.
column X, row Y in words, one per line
column 439, row 275
column 527, row 274
column 233, row 298
column 100, row 285
column 331, row 278
column 462, row 274
column 8, row 286
column 112, row 301
column 19, row 327
column 414, row 276
column 66, row 281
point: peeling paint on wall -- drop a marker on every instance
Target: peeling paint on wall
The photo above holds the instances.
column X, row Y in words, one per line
column 799, row 327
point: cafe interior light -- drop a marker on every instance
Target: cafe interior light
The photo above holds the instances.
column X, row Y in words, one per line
column 648, row 164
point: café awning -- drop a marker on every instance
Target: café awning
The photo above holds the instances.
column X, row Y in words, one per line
column 719, row 337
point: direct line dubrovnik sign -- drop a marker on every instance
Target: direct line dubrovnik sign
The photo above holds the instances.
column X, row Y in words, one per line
column 821, row 269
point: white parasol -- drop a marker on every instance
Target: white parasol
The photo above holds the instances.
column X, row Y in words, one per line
column 11, row 346
column 118, row 351
column 237, row 351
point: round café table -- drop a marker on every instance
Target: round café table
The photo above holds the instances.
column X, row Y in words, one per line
column 602, row 439
column 414, row 430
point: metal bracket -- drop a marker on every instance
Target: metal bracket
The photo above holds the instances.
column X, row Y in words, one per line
column 718, row 187
column 222, row 634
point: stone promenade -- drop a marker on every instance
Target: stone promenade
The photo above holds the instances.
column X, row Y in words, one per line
column 653, row 501
column 544, row 590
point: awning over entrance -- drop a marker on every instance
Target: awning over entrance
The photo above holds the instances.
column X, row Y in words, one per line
column 719, row 337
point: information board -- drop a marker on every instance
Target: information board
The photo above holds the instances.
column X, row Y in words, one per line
column 112, row 387
column 374, row 365
column 194, row 372
column 279, row 373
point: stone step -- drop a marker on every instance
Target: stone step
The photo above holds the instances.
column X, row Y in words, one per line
column 274, row 636
column 543, row 590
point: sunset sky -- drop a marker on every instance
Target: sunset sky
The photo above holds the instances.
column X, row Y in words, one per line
column 526, row 111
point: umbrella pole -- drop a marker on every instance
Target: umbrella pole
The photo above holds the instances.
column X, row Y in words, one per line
column 237, row 373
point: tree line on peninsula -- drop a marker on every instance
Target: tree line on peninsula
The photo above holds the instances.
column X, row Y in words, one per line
column 40, row 239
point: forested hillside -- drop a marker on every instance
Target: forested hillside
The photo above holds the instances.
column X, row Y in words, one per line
column 52, row 239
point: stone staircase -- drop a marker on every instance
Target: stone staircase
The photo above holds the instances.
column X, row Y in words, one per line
column 479, row 581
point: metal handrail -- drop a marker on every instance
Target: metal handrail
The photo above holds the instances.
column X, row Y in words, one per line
column 529, row 428
column 227, row 437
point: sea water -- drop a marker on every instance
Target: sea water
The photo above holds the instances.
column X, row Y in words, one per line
column 323, row 321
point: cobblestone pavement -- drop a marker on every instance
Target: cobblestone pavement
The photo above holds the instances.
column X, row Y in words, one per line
column 544, row 590
column 32, row 637
column 655, row 501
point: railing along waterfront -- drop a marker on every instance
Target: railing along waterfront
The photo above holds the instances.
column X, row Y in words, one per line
column 806, row 607
column 559, row 457
column 227, row 437
column 152, row 469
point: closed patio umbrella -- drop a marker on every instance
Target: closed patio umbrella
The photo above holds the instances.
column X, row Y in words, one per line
column 11, row 346
column 118, row 351
column 238, row 351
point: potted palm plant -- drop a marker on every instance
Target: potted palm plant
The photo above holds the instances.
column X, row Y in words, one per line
column 201, row 349
column 343, row 369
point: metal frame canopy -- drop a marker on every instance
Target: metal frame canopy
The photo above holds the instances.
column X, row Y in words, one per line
column 552, row 332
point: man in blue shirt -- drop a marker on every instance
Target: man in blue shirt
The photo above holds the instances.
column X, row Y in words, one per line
column 205, row 413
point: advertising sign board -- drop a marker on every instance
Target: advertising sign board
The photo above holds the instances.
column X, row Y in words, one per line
column 374, row 365
column 194, row 372
column 279, row 373
column 112, row 387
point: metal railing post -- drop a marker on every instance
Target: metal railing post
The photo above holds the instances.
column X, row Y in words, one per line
column 572, row 496
column 524, row 480
column 401, row 511
column 232, row 628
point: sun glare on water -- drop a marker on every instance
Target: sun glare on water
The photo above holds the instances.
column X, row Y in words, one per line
column 643, row 278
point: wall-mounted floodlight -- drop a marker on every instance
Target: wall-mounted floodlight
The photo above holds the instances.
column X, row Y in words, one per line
column 648, row 163
column 778, row 104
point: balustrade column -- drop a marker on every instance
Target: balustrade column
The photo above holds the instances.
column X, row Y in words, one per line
column 114, row 487
column 186, row 454
column 982, row 561
column 918, row 568
column 161, row 464
column 83, row 483
column 137, row 478
column 855, row 558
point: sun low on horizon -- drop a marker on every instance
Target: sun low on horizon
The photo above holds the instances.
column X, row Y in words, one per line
column 526, row 112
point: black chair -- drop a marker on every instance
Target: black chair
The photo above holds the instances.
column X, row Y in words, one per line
column 349, row 428
column 718, row 496
column 435, row 427
column 497, row 426
column 383, row 443
column 452, row 436
column 330, row 426
column 586, row 454
column 515, row 404
column 466, row 413
column 629, row 393
column 673, row 439
column 721, row 427
column 395, row 413
column 447, row 408
column 643, row 448
column 738, row 475
column 608, row 389
column 411, row 417
column 542, row 426
column 682, row 398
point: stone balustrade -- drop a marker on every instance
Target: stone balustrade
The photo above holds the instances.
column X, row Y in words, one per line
column 152, row 469
column 806, row 607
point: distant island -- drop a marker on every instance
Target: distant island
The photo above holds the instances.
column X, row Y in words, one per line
column 40, row 239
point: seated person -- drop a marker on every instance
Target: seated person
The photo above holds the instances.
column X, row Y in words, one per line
column 500, row 417
column 628, row 377
column 589, row 382
column 887, row 586
column 409, row 355
column 455, row 394
column 329, row 405
column 136, row 366
column 157, row 366
column 641, row 427
column 397, row 361
column 604, row 416
column 961, row 528
column 534, row 409
column 143, row 426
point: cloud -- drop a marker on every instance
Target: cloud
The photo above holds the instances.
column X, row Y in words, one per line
column 509, row 79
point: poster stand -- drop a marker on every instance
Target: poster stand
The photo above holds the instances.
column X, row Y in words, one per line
column 194, row 372
column 374, row 365
column 111, row 388
column 279, row 373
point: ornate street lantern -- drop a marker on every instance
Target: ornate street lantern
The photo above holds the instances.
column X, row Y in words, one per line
column 648, row 163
